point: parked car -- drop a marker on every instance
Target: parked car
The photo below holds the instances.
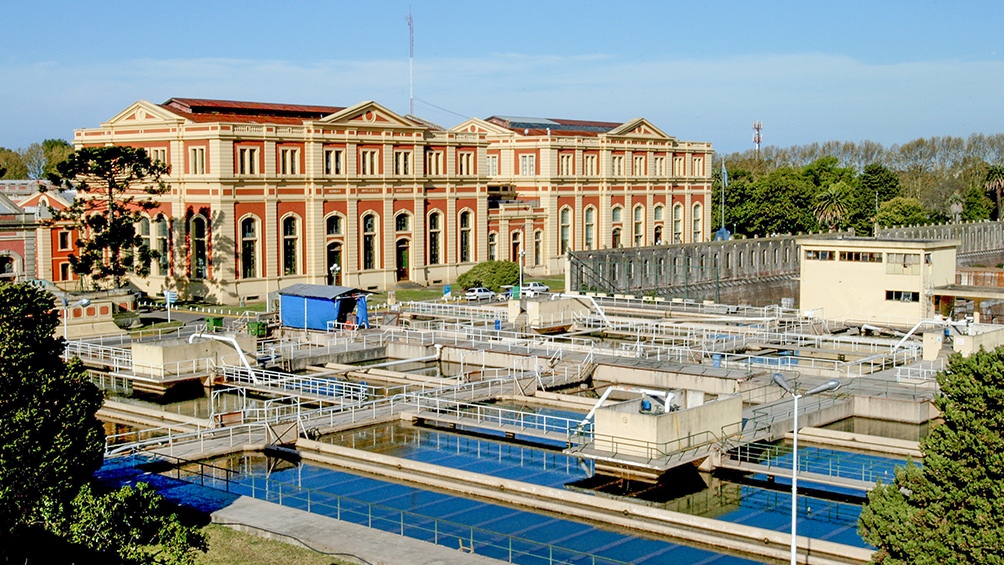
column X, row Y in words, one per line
column 479, row 293
column 532, row 289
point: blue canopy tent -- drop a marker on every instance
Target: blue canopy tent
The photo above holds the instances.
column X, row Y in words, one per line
column 312, row 306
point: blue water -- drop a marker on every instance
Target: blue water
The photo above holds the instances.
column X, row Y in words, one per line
column 493, row 530
column 760, row 507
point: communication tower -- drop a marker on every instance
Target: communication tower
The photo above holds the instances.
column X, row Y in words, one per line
column 411, row 63
column 757, row 138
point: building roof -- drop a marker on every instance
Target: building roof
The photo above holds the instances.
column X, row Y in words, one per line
column 556, row 126
column 321, row 291
column 203, row 110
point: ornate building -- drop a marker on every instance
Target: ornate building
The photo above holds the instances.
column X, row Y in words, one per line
column 267, row 195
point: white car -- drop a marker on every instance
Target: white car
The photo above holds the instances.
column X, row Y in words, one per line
column 534, row 288
column 479, row 293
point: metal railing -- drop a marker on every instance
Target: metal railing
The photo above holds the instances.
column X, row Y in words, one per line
column 447, row 533
column 820, row 462
column 924, row 371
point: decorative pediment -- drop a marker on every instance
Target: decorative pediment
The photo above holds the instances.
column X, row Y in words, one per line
column 49, row 198
column 477, row 125
column 143, row 113
column 639, row 128
column 369, row 114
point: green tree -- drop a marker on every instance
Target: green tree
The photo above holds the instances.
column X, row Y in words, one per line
column 491, row 275
column 50, row 445
column 994, row 183
column 10, row 161
column 781, row 202
column 50, row 442
column 832, row 205
column 114, row 186
column 976, row 205
column 56, row 151
column 901, row 211
column 948, row 511
column 33, row 158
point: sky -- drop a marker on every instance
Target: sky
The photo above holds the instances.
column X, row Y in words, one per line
column 887, row 71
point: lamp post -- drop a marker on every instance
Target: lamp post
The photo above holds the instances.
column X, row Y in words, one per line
column 66, row 307
column 780, row 381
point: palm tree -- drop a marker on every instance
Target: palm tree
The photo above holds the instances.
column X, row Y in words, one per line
column 994, row 182
column 831, row 205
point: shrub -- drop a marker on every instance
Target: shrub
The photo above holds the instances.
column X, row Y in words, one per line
column 491, row 275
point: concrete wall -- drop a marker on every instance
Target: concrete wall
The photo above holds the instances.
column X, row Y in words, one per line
column 623, row 429
column 674, row 270
column 969, row 344
column 178, row 357
column 551, row 312
column 975, row 238
column 665, row 379
column 893, row 409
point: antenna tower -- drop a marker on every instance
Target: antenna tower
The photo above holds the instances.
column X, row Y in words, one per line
column 411, row 63
column 757, row 138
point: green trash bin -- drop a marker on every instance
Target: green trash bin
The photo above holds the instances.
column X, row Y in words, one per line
column 257, row 329
column 214, row 323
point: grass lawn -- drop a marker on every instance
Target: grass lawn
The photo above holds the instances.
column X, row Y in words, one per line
column 230, row 547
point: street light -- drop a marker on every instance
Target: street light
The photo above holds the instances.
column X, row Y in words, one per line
column 66, row 307
column 780, row 381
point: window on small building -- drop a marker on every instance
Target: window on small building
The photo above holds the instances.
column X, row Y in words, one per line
column 589, row 164
column 290, row 244
column 660, row 166
column 158, row 155
column 65, row 272
column 493, row 165
column 65, row 241
column 639, row 166
column 492, row 246
column 617, row 166
column 902, row 296
column 565, row 165
column 820, row 255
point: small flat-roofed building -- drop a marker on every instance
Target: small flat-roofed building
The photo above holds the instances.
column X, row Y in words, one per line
column 885, row 281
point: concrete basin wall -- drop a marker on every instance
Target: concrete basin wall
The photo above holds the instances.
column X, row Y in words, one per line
column 655, row 378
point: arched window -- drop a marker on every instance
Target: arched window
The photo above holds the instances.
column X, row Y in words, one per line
column 402, row 222
column 697, row 219
column 538, row 247
column 493, row 246
column 290, row 244
column 639, row 226
column 678, row 223
column 465, row 237
column 162, row 244
column 333, row 225
column 197, row 233
column 435, row 238
column 658, row 212
column 615, row 215
column 143, row 231
column 565, row 230
column 249, row 248
column 516, row 246
column 590, row 225
column 615, row 239
column 658, row 235
column 369, row 241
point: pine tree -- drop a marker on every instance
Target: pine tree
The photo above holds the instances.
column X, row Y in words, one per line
column 949, row 510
